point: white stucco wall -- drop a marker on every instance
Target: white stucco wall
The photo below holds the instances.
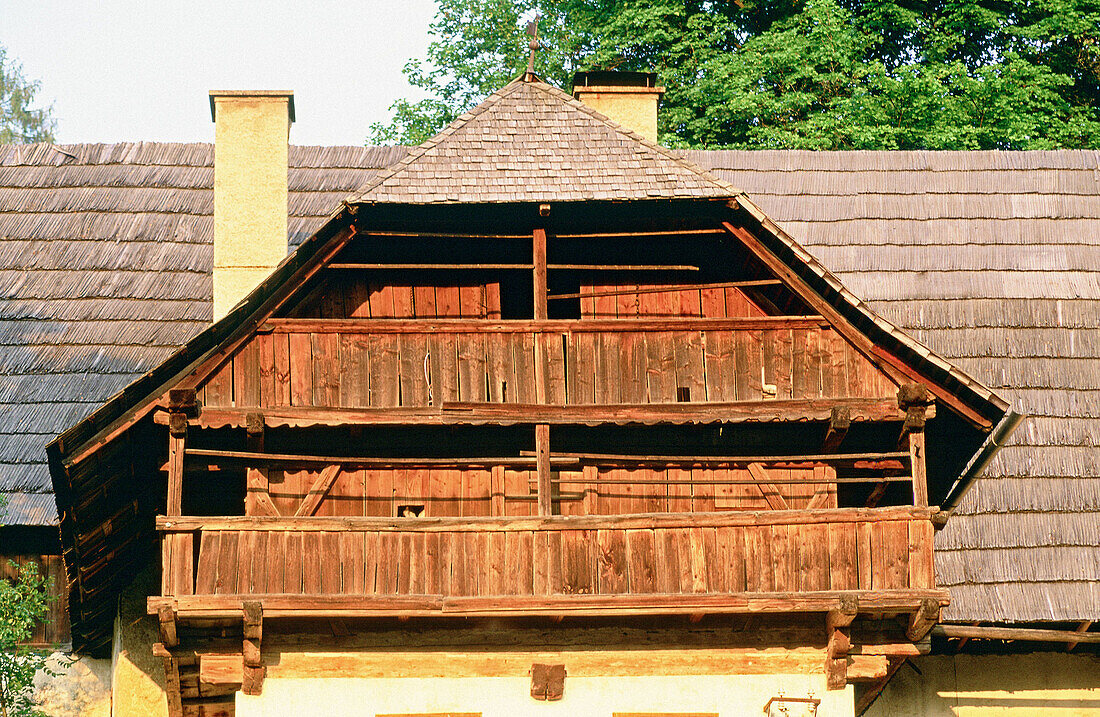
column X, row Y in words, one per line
column 510, row 696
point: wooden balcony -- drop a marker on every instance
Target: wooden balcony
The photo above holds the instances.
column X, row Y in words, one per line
column 642, row 564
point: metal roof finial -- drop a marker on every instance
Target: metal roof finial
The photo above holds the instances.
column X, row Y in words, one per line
column 533, row 31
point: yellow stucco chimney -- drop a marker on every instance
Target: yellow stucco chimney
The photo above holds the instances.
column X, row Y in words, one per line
column 251, row 130
column 628, row 98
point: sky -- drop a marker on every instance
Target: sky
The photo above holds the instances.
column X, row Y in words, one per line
column 133, row 70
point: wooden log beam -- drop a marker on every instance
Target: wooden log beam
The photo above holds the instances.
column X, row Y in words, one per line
column 1083, row 627
column 454, row 413
column 580, row 605
column 840, row 420
column 1025, row 634
column 252, row 676
column 642, row 521
column 922, row 619
column 171, row 679
column 319, row 490
column 527, row 326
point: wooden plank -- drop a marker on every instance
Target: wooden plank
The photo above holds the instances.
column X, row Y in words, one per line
column 613, row 570
column 415, row 369
column 747, row 364
column 896, row 545
column 690, row 371
column 265, row 347
column 542, row 464
column 660, row 367
column 246, row 375
column 554, row 357
column 385, row 370
column 497, row 490
column 633, row 386
column 471, row 368
column 301, row 369
column 209, row 552
column 281, row 349
column 501, row 376
column 921, row 570
column 581, row 386
column 326, row 369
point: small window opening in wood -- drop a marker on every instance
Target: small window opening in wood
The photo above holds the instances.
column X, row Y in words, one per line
column 683, row 394
column 410, row 510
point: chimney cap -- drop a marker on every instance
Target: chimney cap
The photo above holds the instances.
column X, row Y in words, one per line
column 628, row 81
column 288, row 94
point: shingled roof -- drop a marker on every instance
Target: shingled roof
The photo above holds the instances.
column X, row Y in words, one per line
column 989, row 258
column 105, row 262
column 530, row 142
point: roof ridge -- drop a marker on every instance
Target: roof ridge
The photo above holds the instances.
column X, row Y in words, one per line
column 595, row 114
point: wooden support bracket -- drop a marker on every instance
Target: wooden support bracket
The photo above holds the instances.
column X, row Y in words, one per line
column 252, row 677
column 171, row 679
column 547, row 682
column 185, row 401
column 319, row 490
column 768, row 490
column 922, row 619
column 167, row 618
column 838, row 623
column 840, row 420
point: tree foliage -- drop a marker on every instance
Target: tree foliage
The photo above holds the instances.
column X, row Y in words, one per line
column 22, row 606
column 806, row 74
column 19, row 120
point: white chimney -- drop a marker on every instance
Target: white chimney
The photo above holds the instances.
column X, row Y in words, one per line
column 251, row 130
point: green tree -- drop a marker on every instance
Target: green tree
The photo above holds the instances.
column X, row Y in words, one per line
column 22, row 606
column 19, row 120
column 813, row 74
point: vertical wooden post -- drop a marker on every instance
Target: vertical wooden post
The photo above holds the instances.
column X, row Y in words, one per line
column 538, row 254
column 256, row 476
column 920, row 469
column 542, row 464
column 914, row 399
column 177, row 438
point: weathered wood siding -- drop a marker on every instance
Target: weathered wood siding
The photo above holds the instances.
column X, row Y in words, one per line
column 714, row 303
column 780, row 554
column 357, row 368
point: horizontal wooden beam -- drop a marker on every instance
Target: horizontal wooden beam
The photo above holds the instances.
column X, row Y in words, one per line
column 406, row 267
column 293, row 458
column 547, row 523
column 1024, row 634
column 586, row 235
column 663, row 289
column 491, row 326
column 775, row 411
column 284, row 606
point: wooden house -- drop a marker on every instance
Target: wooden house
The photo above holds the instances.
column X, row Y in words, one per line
column 543, row 418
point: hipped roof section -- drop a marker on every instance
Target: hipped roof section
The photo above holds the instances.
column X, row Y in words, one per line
column 530, row 142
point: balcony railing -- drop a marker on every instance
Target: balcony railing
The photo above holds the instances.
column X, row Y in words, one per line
column 777, row 561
